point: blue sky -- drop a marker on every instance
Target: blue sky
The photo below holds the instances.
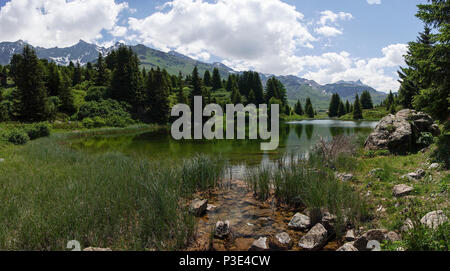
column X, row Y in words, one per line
column 322, row 40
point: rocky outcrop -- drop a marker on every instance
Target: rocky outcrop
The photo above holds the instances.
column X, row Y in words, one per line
column 401, row 190
column 315, row 239
column 392, row 236
column 434, row 166
column 198, row 207
column 299, row 222
column 414, row 176
column 399, row 133
column 434, row 219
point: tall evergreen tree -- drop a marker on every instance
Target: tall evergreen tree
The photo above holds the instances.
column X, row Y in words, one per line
column 357, row 110
column 275, row 89
column 309, row 110
column 298, row 108
column 77, row 75
column 181, row 99
column 125, row 81
column 341, row 110
column 366, row 100
column 29, row 78
column 102, row 77
column 334, row 105
column 207, row 79
column 236, row 97
column 4, row 77
column 157, row 97
column 216, row 81
column 347, row 107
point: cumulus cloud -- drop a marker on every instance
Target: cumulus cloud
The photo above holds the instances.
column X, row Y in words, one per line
column 329, row 17
column 374, row 2
column 332, row 67
column 58, row 22
column 252, row 33
column 328, row 31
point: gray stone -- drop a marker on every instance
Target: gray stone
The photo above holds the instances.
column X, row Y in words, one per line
column 371, row 235
column 392, row 236
column 2, row 160
column 434, row 166
column 315, row 239
column 211, row 208
column 198, row 207
column 328, row 221
column 299, row 222
column 260, row 245
column 401, row 190
column 345, row 177
column 350, row 236
column 281, row 241
column 398, row 133
column 222, row 229
column 407, row 225
column 347, row 247
column 434, row 219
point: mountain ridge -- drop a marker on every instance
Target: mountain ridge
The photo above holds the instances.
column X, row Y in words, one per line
column 297, row 88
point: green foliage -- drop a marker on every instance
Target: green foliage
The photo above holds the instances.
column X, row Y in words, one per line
column 366, row 100
column 110, row 111
column 88, row 123
column 216, row 81
column 425, row 139
column 96, row 93
column 18, row 137
column 298, row 108
column 38, row 130
column 442, row 153
column 158, row 89
column 275, row 89
column 333, row 110
column 309, row 110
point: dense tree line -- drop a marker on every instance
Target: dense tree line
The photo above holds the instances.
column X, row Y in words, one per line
column 338, row 108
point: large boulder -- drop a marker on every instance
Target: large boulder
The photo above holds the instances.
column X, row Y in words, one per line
column 261, row 244
column 399, row 133
column 198, row 207
column 281, row 241
column 362, row 242
column 401, row 190
column 315, row 239
column 434, row 219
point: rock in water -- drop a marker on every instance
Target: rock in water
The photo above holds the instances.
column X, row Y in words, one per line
column 222, row 229
column 347, row 247
column 299, row 222
column 399, row 133
column 259, row 245
column 281, row 241
column 434, row 219
column 315, row 239
column 198, row 207
column 401, row 190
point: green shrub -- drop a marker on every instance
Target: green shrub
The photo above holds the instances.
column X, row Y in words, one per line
column 38, row 130
column 113, row 113
column 99, row 122
column 96, row 93
column 425, row 139
column 18, row 137
column 88, row 123
column 442, row 153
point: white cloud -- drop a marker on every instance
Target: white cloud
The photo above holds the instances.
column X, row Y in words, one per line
column 330, row 16
column 58, row 22
column 328, row 31
column 252, row 33
column 332, row 67
column 119, row 31
column 374, row 2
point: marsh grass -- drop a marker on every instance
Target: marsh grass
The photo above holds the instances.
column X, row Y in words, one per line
column 52, row 194
column 298, row 184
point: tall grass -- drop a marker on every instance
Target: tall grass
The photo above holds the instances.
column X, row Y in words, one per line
column 300, row 185
column 51, row 194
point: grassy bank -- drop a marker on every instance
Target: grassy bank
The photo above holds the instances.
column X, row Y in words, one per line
column 52, row 194
column 369, row 114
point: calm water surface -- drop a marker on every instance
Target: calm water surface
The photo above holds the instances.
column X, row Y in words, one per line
column 296, row 138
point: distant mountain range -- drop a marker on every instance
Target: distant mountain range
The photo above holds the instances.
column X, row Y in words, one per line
column 297, row 88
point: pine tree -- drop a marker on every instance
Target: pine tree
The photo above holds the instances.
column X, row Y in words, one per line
column 4, row 77
column 366, row 100
column 309, row 110
column 88, row 74
column 298, row 108
column 29, row 78
column 252, row 97
column 341, row 110
column 347, row 107
column 334, row 105
column 102, row 77
column 196, row 87
column 125, row 81
column 181, row 99
column 157, row 97
column 76, row 79
column 66, row 96
column 236, row 96
column 207, row 79
column 357, row 110
column 216, row 81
